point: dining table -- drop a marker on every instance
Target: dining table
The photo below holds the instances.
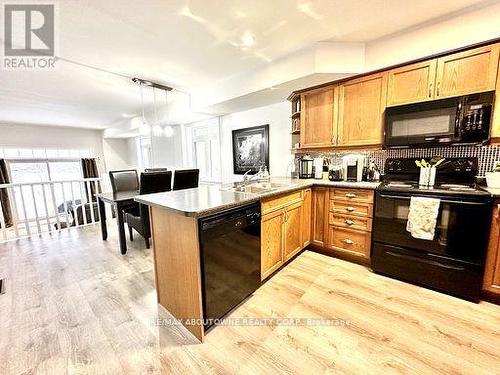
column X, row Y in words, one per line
column 120, row 200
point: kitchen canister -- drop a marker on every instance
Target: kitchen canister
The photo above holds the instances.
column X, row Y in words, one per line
column 427, row 176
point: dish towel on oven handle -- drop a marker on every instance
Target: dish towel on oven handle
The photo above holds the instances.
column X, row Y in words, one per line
column 422, row 217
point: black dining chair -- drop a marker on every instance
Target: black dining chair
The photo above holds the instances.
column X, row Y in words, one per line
column 155, row 169
column 151, row 182
column 125, row 180
column 186, row 179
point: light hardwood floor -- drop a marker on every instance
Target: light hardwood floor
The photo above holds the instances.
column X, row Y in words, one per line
column 74, row 305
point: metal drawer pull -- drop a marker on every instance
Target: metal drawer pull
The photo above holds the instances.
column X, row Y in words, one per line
column 348, row 241
column 350, row 209
column 349, row 222
column 351, row 195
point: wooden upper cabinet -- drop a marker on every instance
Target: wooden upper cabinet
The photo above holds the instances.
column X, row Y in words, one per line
column 495, row 125
column 361, row 107
column 467, row 72
column 317, row 118
column 492, row 269
column 272, row 228
column 412, row 83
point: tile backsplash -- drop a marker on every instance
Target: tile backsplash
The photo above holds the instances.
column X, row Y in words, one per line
column 487, row 155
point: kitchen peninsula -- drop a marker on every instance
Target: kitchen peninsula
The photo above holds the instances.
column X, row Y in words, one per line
column 287, row 216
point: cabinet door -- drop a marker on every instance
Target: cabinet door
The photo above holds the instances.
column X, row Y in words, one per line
column 317, row 115
column 495, row 125
column 306, row 217
column 319, row 216
column 361, row 107
column 467, row 72
column 293, row 231
column 492, row 269
column 271, row 243
column 412, row 83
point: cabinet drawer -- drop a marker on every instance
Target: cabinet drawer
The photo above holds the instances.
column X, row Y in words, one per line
column 348, row 240
column 281, row 201
column 349, row 221
column 352, row 195
column 351, row 208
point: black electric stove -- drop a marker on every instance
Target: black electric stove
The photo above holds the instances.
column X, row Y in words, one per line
column 451, row 262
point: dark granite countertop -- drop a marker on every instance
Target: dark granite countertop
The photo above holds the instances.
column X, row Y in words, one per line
column 209, row 199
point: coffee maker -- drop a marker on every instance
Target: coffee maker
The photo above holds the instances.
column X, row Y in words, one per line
column 353, row 167
column 306, row 169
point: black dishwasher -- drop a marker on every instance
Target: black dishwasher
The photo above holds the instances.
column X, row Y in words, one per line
column 230, row 259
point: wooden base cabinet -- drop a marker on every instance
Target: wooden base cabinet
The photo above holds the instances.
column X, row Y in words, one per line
column 491, row 282
column 319, row 233
column 293, row 231
column 272, row 230
column 350, row 222
column 282, row 229
column 306, row 216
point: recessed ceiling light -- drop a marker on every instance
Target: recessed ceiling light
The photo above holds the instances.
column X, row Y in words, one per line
column 248, row 39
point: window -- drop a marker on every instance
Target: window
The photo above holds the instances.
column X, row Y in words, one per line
column 32, row 171
column 26, row 172
column 144, row 152
column 65, row 170
column 33, row 198
column 32, row 166
column 206, row 150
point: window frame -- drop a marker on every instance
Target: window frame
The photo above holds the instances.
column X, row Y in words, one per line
column 45, row 161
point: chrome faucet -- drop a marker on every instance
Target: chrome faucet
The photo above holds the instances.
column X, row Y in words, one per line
column 245, row 176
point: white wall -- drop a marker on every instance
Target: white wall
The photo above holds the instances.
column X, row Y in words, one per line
column 132, row 152
column 23, row 135
column 280, row 141
column 167, row 151
column 461, row 30
column 116, row 155
column 110, row 153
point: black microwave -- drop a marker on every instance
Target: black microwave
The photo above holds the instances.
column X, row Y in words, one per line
column 459, row 120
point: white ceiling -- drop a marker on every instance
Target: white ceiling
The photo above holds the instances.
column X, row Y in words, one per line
column 185, row 44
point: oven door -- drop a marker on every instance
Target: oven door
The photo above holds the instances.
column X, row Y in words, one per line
column 461, row 233
column 422, row 124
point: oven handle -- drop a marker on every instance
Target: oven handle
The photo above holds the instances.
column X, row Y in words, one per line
column 433, row 262
column 442, row 200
